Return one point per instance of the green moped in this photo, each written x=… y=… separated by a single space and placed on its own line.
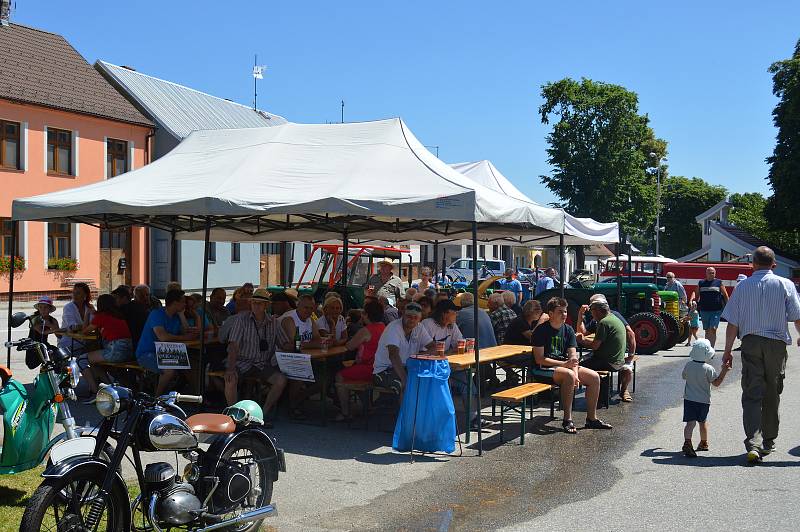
x=30 y=414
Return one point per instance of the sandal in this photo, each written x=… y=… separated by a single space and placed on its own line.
x=627 y=397
x=569 y=426
x=597 y=424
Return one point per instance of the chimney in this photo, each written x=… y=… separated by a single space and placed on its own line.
x=5 y=12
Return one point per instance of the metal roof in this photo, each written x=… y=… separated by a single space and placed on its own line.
x=181 y=110
x=42 y=68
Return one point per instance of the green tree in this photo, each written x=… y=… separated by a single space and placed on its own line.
x=784 y=172
x=749 y=212
x=682 y=199
x=599 y=149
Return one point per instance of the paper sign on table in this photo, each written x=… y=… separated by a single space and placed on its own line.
x=296 y=366
x=172 y=355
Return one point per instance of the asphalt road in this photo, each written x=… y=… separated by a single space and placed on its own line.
x=631 y=478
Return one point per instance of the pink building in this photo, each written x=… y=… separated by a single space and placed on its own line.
x=62 y=126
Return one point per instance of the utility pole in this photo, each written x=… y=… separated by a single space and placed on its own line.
x=342 y=112
x=255 y=83
x=658 y=160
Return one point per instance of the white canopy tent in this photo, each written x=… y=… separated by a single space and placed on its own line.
x=300 y=182
x=577 y=231
x=370 y=180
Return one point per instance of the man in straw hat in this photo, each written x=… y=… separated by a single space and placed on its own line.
x=385 y=282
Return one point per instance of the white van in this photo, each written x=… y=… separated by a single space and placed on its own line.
x=486 y=267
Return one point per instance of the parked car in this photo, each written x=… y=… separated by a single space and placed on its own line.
x=461 y=269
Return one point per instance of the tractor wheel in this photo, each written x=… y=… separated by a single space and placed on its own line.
x=650 y=332
x=673 y=330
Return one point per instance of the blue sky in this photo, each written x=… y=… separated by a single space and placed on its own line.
x=466 y=75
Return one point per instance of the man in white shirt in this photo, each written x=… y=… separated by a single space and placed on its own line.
x=401 y=339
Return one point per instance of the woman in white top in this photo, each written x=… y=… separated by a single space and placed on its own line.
x=332 y=322
x=77 y=314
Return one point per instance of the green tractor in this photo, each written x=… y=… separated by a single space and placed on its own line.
x=653 y=314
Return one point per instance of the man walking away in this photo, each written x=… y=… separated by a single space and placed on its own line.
x=758 y=312
x=713 y=298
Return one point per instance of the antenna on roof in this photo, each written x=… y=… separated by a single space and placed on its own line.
x=258 y=73
x=5 y=12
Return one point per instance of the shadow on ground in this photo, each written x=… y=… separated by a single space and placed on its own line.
x=663 y=457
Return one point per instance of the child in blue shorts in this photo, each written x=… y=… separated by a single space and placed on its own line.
x=699 y=376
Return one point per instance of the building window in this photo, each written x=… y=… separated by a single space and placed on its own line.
x=727 y=256
x=59 y=241
x=7 y=238
x=116 y=157
x=114 y=239
x=59 y=151
x=269 y=248
x=9 y=144
x=236 y=252
x=212 y=252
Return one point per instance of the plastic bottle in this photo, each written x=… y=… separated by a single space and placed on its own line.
x=297 y=339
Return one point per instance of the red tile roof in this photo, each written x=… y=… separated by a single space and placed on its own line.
x=42 y=68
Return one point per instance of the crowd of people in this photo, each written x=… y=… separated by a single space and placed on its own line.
x=247 y=330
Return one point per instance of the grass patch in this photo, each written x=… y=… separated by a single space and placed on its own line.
x=15 y=490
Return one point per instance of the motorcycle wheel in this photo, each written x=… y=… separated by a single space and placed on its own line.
x=252 y=450
x=49 y=510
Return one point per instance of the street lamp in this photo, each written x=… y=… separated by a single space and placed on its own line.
x=654 y=156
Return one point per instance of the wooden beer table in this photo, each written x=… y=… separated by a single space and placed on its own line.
x=486 y=355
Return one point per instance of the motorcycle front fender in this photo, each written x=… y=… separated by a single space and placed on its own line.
x=79 y=431
x=97 y=469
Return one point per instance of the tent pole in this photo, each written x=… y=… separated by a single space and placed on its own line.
x=14 y=228
x=619 y=274
x=203 y=321
x=477 y=337
x=345 y=255
x=561 y=262
x=435 y=265
x=173 y=257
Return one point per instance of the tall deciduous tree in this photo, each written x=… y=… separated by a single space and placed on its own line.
x=599 y=149
x=750 y=211
x=682 y=200
x=784 y=173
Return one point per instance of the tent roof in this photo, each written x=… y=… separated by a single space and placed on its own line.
x=578 y=231
x=300 y=182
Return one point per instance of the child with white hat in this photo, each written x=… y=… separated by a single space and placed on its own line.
x=699 y=376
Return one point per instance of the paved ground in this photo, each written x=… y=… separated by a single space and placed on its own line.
x=631 y=478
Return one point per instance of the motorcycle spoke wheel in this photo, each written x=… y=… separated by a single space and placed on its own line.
x=254 y=454
x=63 y=505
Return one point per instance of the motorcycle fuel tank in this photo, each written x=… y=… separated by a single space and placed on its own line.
x=166 y=432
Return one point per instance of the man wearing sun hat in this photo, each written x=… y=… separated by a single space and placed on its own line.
x=251 y=350
x=43 y=323
x=385 y=283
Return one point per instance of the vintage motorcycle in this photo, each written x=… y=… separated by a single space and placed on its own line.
x=29 y=417
x=227 y=486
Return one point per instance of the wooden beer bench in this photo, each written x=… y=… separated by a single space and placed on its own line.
x=516 y=399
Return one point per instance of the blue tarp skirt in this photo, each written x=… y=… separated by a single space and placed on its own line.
x=428 y=396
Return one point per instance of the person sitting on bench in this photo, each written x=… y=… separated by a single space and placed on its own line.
x=608 y=346
x=556 y=357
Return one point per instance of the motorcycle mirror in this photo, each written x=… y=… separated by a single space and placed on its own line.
x=18 y=318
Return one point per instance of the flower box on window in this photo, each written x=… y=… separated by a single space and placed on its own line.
x=64 y=264
x=5 y=265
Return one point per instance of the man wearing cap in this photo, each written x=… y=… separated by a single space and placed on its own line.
x=401 y=339
x=385 y=282
x=512 y=285
x=251 y=351
x=608 y=346
x=589 y=326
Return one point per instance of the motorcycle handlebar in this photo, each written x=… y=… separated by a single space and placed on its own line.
x=182 y=398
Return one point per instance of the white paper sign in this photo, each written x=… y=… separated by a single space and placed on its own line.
x=296 y=366
x=172 y=355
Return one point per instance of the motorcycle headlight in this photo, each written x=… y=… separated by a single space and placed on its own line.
x=110 y=399
x=74 y=373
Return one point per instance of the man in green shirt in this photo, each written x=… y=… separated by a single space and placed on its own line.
x=610 y=342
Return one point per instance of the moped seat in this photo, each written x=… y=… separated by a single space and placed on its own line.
x=211 y=423
x=5 y=374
